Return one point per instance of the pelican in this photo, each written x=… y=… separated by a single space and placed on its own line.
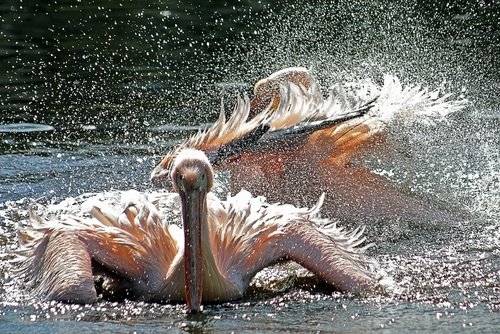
x=302 y=144
x=213 y=258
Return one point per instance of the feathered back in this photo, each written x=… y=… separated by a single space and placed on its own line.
x=135 y=241
x=248 y=234
x=300 y=107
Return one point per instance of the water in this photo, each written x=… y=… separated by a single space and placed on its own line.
x=92 y=93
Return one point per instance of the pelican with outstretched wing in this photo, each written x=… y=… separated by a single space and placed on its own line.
x=212 y=258
x=302 y=144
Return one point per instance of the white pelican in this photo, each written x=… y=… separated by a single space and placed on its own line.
x=302 y=144
x=222 y=246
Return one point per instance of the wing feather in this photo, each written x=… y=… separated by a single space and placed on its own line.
x=135 y=244
x=252 y=234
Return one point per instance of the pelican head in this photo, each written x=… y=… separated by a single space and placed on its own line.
x=192 y=177
x=267 y=91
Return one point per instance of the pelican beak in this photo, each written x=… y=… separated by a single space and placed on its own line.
x=193 y=202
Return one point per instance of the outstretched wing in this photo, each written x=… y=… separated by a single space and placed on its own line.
x=58 y=255
x=143 y=240
x=55 y=262
x=351 y=119
x=213 y=139
x=331 y=253
x=242 y=237
x=252 y=234
x=348 y=122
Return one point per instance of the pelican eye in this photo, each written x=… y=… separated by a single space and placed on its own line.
x=180 y=177
x=203 y=180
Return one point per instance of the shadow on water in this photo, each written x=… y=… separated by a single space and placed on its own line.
x=94 y=92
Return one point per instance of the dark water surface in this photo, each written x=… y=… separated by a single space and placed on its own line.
x=92 y=93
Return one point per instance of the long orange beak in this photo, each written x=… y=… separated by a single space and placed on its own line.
x=193 y=216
